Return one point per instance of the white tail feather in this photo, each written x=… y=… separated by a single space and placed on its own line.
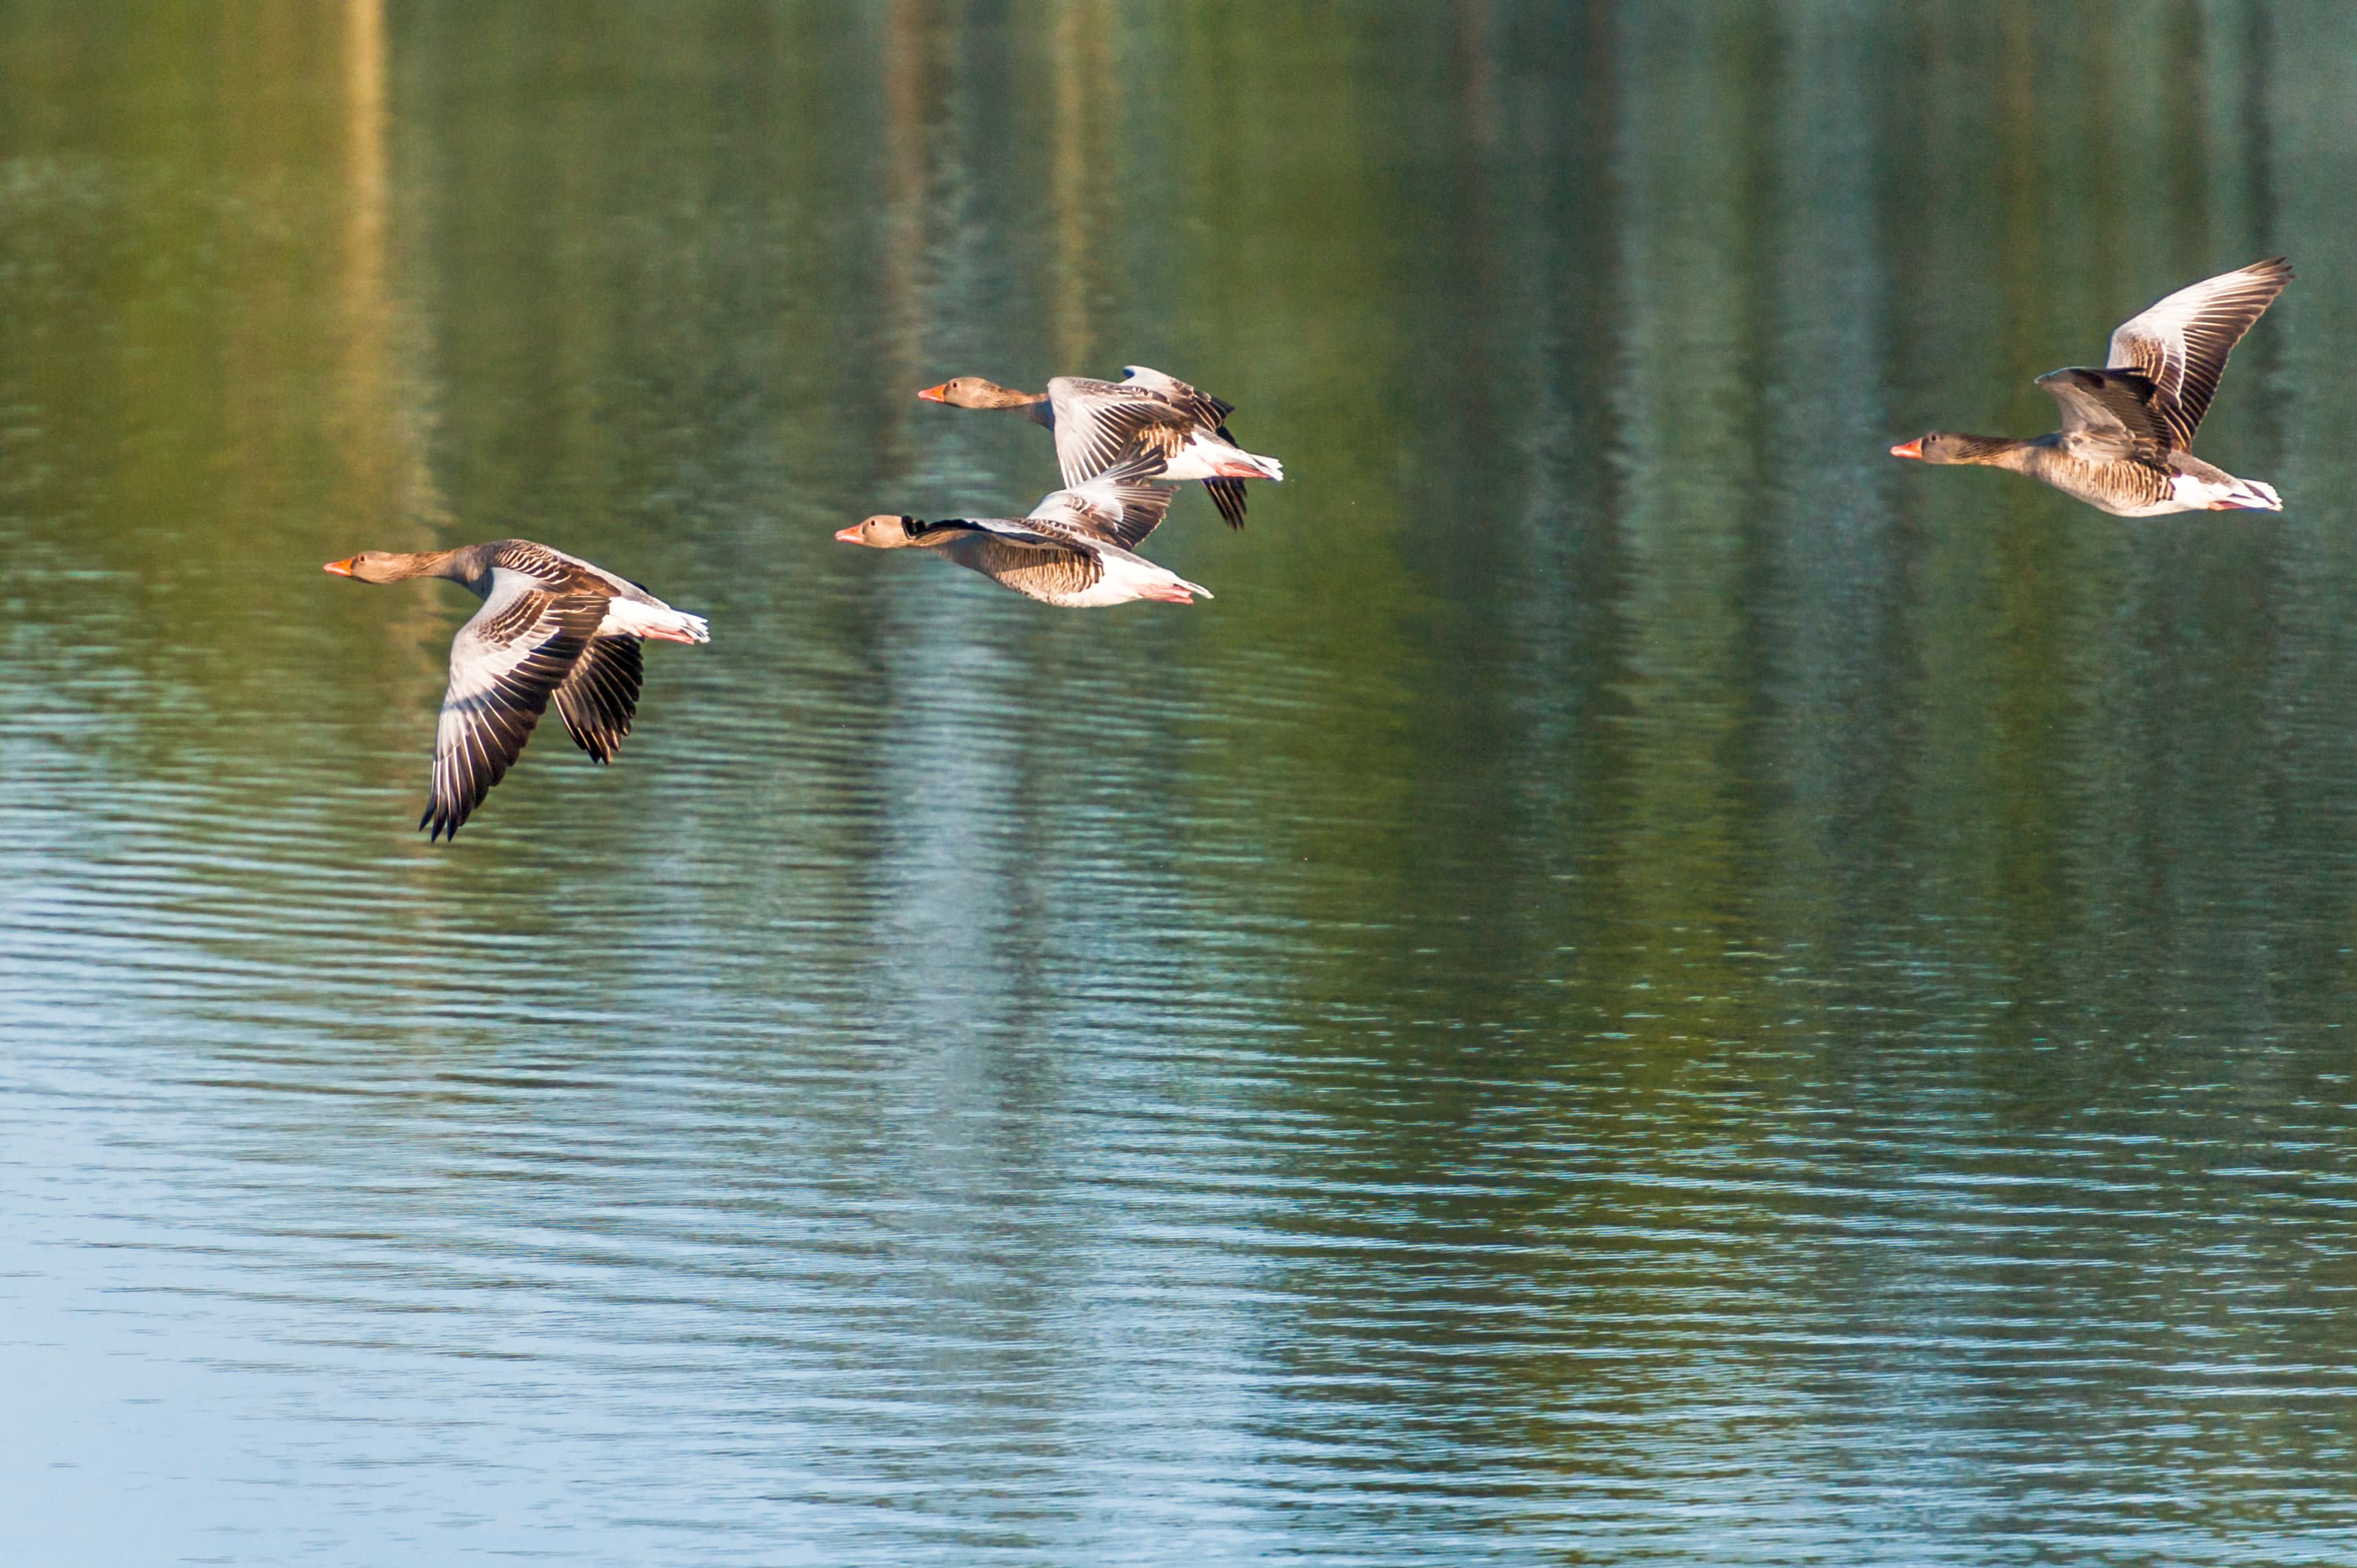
x=2248 y=495
x=1208 y=457
x=628 y=618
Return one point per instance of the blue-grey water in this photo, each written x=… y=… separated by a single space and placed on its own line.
x=1646 y=984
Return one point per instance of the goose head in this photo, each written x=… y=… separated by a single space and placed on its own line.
x=883 y=531
x=383 y=566
x=1947 y=447
x=972 y=391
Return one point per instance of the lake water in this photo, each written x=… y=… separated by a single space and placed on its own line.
x=1646 y=984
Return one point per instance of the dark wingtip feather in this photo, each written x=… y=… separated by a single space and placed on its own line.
x=1228 y=495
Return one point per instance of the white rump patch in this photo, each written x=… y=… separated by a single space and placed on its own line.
x=628 y=618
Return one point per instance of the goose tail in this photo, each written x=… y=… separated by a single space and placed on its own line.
x=2249 y=495
x=628 y=618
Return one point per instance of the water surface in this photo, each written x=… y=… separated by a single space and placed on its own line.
x=1646 y=984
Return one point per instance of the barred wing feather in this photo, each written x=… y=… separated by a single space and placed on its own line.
x=504 y=665
x=2183 y=342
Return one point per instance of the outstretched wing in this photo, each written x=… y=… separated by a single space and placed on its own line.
x=2109 y=414
x=504 y=663
x=1208 y=411
x=1099 y=424
x=1211 y=414
x=2181 y=343
x=599 y=696
x=1120 y=504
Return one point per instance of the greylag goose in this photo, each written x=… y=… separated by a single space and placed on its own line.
x=550 y=626
x=1074 y=549
x=1097 y=424
x=2126 y=428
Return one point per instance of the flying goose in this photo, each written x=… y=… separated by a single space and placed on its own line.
x=2126 y=428
x=1097 y=424
x=551 y=626
x=1074 y=549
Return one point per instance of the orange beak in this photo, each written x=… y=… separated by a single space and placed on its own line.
x=1909 y=449
x=340 y=568
x=849 y=535
x=936 y=394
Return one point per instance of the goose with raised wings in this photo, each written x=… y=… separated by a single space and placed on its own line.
x=1099 y=424
x=2127 y=428
x=1076 y=549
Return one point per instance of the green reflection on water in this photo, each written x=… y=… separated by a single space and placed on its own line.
x=1601 y=766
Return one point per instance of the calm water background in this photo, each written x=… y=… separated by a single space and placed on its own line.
x=1646 y=984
